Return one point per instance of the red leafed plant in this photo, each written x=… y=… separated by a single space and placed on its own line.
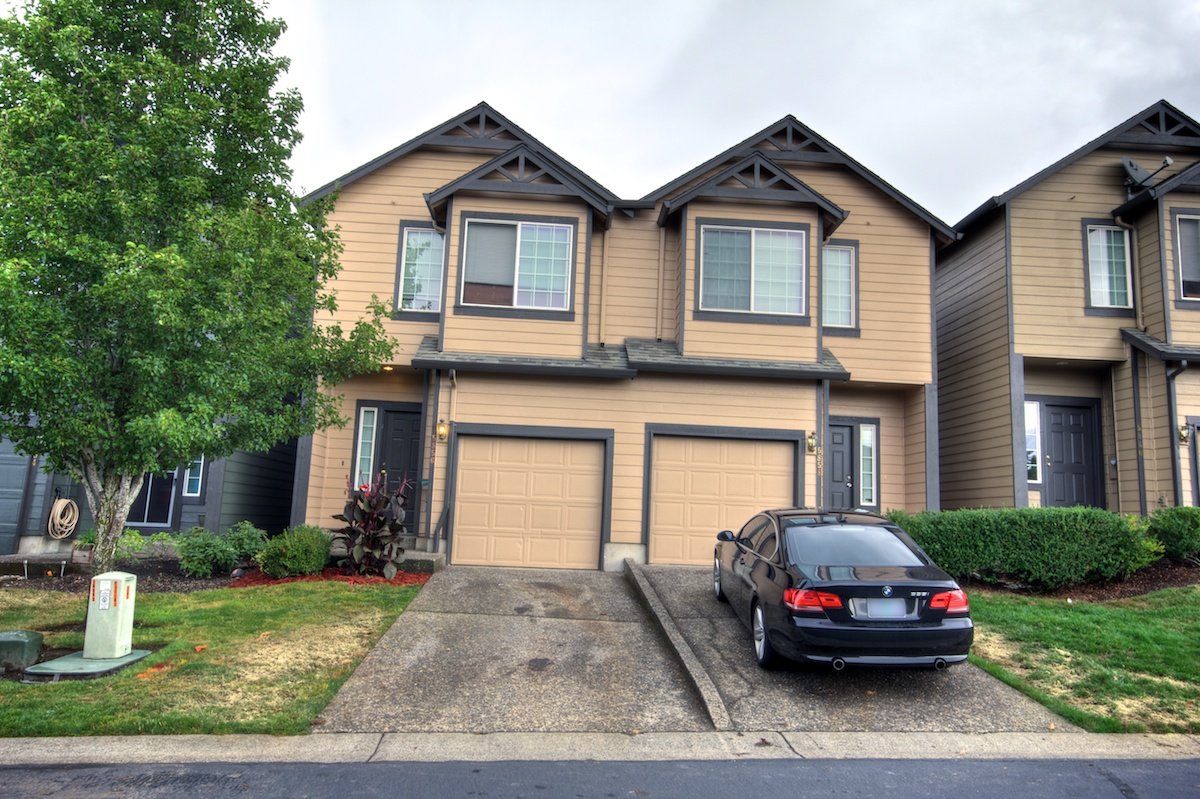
x=374 y=518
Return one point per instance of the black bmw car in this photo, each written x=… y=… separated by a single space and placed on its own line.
x=840 y=588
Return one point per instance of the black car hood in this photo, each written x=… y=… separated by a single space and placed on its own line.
x=871 y=574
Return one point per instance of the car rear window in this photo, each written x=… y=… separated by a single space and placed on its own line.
x=846 y=545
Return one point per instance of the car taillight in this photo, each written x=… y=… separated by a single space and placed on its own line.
x=806 y=600
x=950 y=601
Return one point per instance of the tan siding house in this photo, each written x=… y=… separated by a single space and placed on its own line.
x=579 y=378
x=1068 y=319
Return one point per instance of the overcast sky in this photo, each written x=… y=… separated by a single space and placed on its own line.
x=951 y=101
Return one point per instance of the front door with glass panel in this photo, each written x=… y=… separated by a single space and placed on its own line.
x=389 y=440
x=851 y=465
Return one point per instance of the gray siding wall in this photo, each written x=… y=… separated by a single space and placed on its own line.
x=258 y=487
x=974 y=405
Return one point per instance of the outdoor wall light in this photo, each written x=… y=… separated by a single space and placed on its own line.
x=1185 y=433
x=387 y=367
x=811 y=441
x=443 y=430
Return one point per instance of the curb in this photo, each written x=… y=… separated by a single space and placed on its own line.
x=713 y=704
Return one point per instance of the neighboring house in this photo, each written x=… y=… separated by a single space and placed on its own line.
x=1068 y=315
x=579 y=378
x=254 y=486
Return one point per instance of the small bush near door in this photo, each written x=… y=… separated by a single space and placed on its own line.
x=300 y=550
x=246 y=540
x=1043 y=547
x=1178 y=530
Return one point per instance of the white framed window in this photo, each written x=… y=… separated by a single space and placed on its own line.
x=1033 y=442
x=868 y=465
x=756 y=270
x=838 y=279
x=1108 y=267
x=421 y=270
x=1187 y=253
x=517 y=264
x=193 y=477
x=364 y=458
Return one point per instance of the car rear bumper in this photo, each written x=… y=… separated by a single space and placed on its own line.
x=824 y=641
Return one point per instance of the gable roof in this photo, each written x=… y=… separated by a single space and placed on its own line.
x=520 y=171
x=1160 y=126
x=788 y=140
x=478 y=129
x=756 y=177
x=1187 y=180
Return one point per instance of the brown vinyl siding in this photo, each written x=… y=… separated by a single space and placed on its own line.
x=974 y=407
x=1149 y=277
x=1125 y=441
x=1157 y=431
x=915 y=431
x=631 y=288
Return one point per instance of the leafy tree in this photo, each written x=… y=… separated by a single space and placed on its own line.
x=158 y=279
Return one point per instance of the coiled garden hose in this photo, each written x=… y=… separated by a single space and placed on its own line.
x=64 y=517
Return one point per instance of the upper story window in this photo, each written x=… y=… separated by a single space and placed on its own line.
x=1187 y=233
x=193 y=476
x=838 y=286
x=420 y=270
x=1108 y=267
x=757 y=270
x=517 y=264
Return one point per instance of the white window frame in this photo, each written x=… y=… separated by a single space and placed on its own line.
x=1033 y=423
x=1179 y=251
x=868 y=482
x=195 y=469
x=406 y=266
x=366 y=446
x=520 y=225
x=754 y=231
x=853 y=251
x=1098 y=283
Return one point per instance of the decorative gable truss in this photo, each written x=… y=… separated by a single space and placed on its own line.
x=759 y=179
x=518 y=171
x=1162 y=126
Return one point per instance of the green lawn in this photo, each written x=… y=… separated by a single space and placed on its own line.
x=1122 y=666
x=261 y=660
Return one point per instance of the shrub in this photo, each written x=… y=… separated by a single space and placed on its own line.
x=1044 y=547
x=374 y=520
x=203 y=553
x=300 y=550
x=246 y=540
x=1178 y=530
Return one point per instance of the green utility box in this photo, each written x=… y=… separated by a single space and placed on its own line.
x=109 y=632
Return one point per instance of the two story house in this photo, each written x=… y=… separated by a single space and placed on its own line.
x=579 y=378
x=1068 y=315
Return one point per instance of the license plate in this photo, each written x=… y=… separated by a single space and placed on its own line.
x=887 y=608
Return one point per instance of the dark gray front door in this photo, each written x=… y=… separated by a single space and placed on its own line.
x=839 y=467
x=400 y=457
x=14 y=471
x=1072 y=456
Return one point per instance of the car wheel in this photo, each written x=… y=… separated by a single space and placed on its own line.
x=718 y=591
x=764 y=653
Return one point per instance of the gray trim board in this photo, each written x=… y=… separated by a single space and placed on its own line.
x=603 y=435
x=796 y=437
x=1017 y=404
x=214 y=498
x=933 y=474
x=1139 y=445
x=436 y=386
x=1193 y=422
x=1172 y=427
x=1159 y=209
x=681 y=291
x=446 y=280
x=300 y=480
x=587 y=284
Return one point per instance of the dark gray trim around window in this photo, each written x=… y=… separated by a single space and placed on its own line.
x=416 y=316
x=1016 y=398
x=750 y=317
x=501 y=311
x=1104 y=310
x=795 y=437
x=854 y=330
x=603 y=435
x=1180 y=301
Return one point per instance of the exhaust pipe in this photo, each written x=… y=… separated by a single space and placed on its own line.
x=940 y=664
x=839 y=664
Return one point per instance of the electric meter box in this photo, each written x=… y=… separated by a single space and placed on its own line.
x=109 y=631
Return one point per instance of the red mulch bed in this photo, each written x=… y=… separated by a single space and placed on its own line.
x=256 y=578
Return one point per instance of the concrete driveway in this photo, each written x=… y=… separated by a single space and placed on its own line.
x=803 y=698
x=484 y=649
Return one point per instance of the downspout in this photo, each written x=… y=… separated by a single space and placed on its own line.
x=603 y=289
x=822 y=427
x=1176 y=478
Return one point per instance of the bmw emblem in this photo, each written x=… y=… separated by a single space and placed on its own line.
x=887 y=590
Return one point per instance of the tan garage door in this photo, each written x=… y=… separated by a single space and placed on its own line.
x=528 y=502
x=700 y=486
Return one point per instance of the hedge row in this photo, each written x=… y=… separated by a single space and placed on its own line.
x=1043 y=547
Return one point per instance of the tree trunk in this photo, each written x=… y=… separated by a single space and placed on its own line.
x=109 y=496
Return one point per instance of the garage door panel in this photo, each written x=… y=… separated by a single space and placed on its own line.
x=542 y=499
x=700 y=486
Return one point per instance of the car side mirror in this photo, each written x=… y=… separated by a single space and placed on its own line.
x=725 y=535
